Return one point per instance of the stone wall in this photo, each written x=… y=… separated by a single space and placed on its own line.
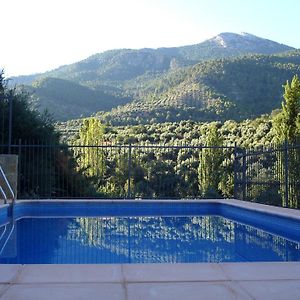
x=9 y=164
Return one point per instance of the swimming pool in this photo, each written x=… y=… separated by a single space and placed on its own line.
x=124 y=231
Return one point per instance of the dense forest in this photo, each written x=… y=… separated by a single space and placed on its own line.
x=191 y=172
x=182 y=160
x=248 y=133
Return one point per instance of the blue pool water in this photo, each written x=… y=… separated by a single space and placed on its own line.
x=168 y=233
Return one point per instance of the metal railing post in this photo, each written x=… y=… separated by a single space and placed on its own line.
x=129 y=170
x=286 y=170
x=19 y=166
x=244 y=168
x=235 y=172
x=10 y=124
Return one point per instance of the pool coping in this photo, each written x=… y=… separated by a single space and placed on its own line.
x=255 y=280
x=151 y=281
x=274 y=210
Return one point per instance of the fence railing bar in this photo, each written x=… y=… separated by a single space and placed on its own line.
x=286 y=171
x=249 y=182
x=120 y=146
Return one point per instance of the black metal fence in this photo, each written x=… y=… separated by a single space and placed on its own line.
x=269 y=175
x=265 y=175
x=123 y=171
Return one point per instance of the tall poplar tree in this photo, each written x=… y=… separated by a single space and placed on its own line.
x=287 y=122
x=91 y=159
x=209 y=170
x=287 y=126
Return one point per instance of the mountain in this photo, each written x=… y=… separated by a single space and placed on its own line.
x=231 y=44
x=127 y=76
x=125 y=64
x=232 y=88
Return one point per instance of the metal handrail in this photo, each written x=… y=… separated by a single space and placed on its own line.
x=3 y=194
x=7 y=184
x=3 y=233
x=7 y=239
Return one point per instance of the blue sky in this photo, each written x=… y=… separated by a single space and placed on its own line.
x=40 y=35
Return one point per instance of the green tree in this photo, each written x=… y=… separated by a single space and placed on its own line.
x=28 y=124
x=287 y=122
x=209 y=170
x=287 y=128
x=91 y=157
x=91 y=132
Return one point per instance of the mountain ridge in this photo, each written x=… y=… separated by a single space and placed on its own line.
x=154 y=76
x=244 y=36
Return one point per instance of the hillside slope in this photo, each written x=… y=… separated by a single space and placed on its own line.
x=65 y=99
x=113 y=67
x=235 y=88
x=186 y=80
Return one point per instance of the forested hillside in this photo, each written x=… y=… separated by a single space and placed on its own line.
x=236 y=88
x=189 y=159
x=247 y=134
x=67 y=99
x=124 y=64
x=203 y=82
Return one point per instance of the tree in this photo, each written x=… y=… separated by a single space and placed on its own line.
x=28 y=123
x=287 y=127
x=91 y=157
x=209 y=171
x=46 y=170
x=91 y=132
x=287 y=122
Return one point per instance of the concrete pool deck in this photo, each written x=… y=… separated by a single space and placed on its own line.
x=261 y=281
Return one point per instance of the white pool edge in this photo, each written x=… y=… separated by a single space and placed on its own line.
x=274 y=210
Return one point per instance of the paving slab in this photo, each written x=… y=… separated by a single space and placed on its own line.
x=3 y=288
x=172 y=272
x=275 y=290
x=262 y=270
x=65 y=292
x=70 y=273
x=8 y=272
x=186 y=291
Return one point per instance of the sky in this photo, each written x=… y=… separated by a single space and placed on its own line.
x=40 y=35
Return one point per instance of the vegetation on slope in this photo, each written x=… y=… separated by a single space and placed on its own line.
x=65 y=99
x=166 y=84
x=237 y=88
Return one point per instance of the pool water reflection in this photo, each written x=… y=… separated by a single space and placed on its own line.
x=142 y=240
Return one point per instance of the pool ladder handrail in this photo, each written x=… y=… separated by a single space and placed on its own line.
x=8 y=186
x=6 y=237
x=3 y=233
